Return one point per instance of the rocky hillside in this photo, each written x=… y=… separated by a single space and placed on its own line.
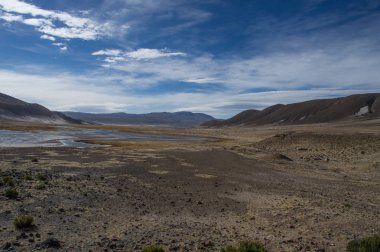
x=314 y=111
x=12 y=109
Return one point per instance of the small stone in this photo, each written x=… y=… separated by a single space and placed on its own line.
x=49 y=243
x=7 y=246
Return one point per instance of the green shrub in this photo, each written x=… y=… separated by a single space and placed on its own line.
x=245 y=247
x=368 y=244
x=23 y=221
x=40 y=186
x=154 y=248
x=8 y=181
x=11 y=193
x=41 y=177
x=28 y=177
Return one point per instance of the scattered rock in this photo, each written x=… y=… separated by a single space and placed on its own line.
x=49 y=243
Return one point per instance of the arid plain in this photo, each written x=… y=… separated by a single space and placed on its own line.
x=293 y=188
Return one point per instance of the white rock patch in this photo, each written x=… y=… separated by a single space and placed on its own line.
x=363 y=111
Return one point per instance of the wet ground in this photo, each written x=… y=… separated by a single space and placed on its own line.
x=72 y=137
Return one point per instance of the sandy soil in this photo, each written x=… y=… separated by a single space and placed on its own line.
x=304 y=188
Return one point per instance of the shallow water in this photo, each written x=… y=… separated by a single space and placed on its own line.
x=71 y=138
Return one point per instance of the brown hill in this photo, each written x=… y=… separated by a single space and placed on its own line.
x=314 y=111
x=12 y=109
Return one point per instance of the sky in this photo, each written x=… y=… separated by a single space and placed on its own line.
x=210 y=56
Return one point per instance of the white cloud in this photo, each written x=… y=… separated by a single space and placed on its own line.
x=10 y=17
x=114 y=59
x=38 y=22
x=145 y=53
x=116 y=55
x=290 y=70
x=94 y=93
x=47 y=37
x=52 y=23
x=63 y=48
x=203 y=80
x=108 y=52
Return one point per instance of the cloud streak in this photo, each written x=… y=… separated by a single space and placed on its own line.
x=51 y=23
x=98 y=95
x=115 y=55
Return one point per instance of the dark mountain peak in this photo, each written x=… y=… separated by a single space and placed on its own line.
x=17 y=110
x=11 y=100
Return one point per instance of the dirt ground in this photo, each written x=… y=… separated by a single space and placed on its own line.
x=292 y=188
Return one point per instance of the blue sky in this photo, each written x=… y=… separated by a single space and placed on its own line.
x=211 y=56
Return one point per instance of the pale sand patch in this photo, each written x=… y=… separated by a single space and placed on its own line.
x=159 y=172
x=187 y=164
x=206 y=176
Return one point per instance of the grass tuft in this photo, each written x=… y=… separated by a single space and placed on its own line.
x=245 y=247
x=8 y=181
x=11 y=193
x=28 y=177
x=154 y=248
x=23 y=221
x=368 y=244
x=40 y=186
x=41 y=177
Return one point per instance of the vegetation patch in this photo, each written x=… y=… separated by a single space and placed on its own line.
x=368 y=244
x=245 y=247
x=8 y=181
x=11 y=193
x=23 y=221
x=40 y=186
x=28 y=177
x=41 y=177
x=154 y=248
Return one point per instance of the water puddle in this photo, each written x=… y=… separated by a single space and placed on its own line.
x=72 y=138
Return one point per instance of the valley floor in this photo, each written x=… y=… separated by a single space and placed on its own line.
x=292 y=188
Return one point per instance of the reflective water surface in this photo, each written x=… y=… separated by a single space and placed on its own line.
x=67 y=137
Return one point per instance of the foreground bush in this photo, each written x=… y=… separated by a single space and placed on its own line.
x=245 y=247
x=369 y=244
x=23 y=221
x=40 y=186
x=8 y=181
x=11 y=193
x=41 y=177
x=154 y=248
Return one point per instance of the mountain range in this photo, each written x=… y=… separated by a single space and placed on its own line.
x=12 y=109
x=313 y=111
x=360 y=106
x=176 y=119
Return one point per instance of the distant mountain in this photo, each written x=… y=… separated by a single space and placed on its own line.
x=12 y=109
x=177 y=119
x=314 y=111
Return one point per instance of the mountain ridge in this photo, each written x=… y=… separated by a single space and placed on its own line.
x=307 y=112
x=182 y=119
x=13 y=109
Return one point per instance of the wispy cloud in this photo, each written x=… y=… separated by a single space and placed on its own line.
x=108 y=52
x=291 y=70
x=95 y=93
x=47 y=37
x=115 y=55
x=51 y=23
